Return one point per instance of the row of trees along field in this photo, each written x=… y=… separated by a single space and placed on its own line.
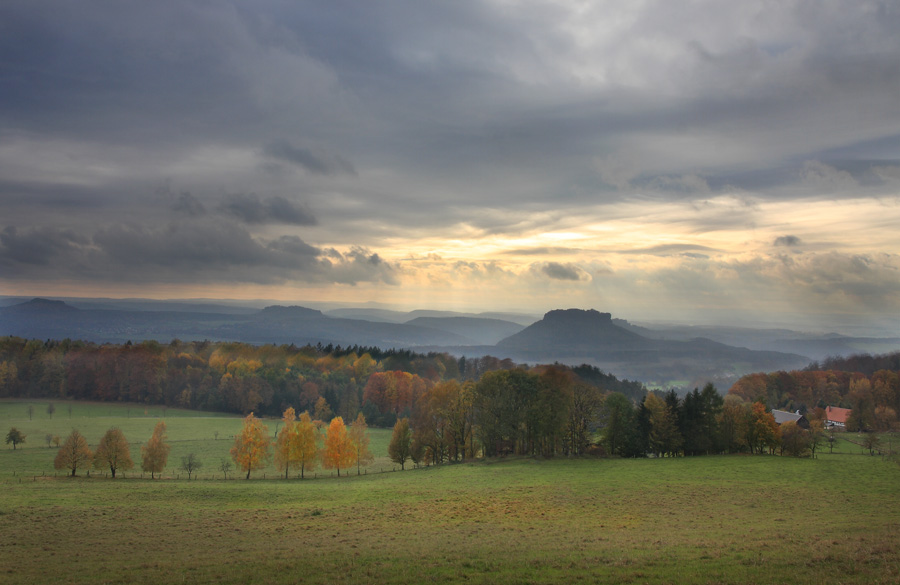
x=874 y=397
x=300 y=445
x=240 y=378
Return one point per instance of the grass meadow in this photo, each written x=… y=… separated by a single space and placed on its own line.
x=718 y=519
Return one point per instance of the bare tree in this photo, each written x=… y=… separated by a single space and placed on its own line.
x=51 y=409
x=190 y=463
x=225 y=466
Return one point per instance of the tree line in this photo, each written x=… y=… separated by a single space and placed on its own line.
x=301 y=444
x=242 y=378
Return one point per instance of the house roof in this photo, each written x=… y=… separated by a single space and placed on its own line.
x=835 y=414
x=782 y=416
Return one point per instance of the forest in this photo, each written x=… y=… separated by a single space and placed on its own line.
x=454 y=408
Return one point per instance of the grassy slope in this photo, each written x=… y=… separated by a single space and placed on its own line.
x=734 y=519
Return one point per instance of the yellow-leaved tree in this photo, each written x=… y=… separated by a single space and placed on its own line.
x=113 y=452
x=155 y=453
x=339 y=451
x=307 y=444
x=251 y=446
x=74 y=453
x=286 y=443
x=359 y=437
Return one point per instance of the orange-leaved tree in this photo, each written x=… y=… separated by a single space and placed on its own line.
x=251 y=446
x=74 y=453
x=307 y=444
x=155 y=453
x=339 y=451
x=113 y=452
x=286 y=443
x=359 y=437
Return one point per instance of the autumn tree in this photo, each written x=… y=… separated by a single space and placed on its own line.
x=286 y=443
x=73 y=454
x=15 y=436
x=794 y=439
x=359 y=438
x=113 y=452
x=190 y=463
x=251 y=446
x=307 y=444
x=323 y=410
x=339 y=451
x=762 y=431
x=401 y=440
x=155 y=453
x=816 y=434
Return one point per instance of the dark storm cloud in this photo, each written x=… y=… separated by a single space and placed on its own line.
x=249 y=207
x=305 y=158
x=37 y=246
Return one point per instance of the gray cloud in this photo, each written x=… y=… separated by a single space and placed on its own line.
x=314 y=162
x=187 y=204
x=37 y=246
x=559 y=271
x=249 y=207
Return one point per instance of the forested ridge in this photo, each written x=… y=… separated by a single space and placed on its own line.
x=243 y=378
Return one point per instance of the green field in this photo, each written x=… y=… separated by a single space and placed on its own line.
x=189 y=431
x=723 y=519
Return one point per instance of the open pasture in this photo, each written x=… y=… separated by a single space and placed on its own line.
x=723 y=519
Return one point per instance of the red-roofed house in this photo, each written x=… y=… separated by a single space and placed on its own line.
x=836 y=417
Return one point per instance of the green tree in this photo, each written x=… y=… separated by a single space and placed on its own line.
x=871 y=442
x=15 y=436
x=665 y=438
x=401 y=441
x=618 y=417
x=113 y=452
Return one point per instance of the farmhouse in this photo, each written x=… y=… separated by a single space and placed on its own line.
x=836 y=417
x=782 y=417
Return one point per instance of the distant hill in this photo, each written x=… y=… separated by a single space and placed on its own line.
x=575 y=336
x=574 y=332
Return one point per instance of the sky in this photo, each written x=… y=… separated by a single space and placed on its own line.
x=733 y=162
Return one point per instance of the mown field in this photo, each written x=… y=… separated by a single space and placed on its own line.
x=724 y=519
